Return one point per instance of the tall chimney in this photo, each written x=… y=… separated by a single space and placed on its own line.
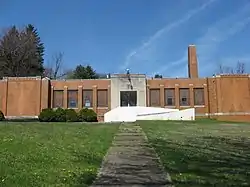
x=192 y=62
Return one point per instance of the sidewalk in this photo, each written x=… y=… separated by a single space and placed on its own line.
x=131 y=162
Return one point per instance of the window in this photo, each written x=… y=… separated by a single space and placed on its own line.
x=58 y=99
x=184 y=97
x=199 y=96
x=72 y=99
x=87 y=98
x=154 y=96
x=170 y=97
x=102 y=98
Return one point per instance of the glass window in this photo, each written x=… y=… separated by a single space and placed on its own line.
x=87 y=98
x=72 y=99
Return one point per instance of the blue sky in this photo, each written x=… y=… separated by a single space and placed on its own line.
x=146 y=36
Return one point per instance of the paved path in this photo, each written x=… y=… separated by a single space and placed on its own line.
x=131 y=162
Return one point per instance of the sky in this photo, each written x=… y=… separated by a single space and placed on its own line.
x=146 y=36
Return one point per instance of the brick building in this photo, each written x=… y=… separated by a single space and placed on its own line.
x=225 y=97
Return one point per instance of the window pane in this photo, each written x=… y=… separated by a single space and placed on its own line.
x=155 y=97
x=169 y=97
x=58 y=99
x=72 y=99
x=199 y=96
x=184 y=97
x=102 y=98
x=87 y=98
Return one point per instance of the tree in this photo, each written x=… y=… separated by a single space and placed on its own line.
x=239 y=69
x=82 y=72
x=55 y=69
x=157 y=76
x=19 y=53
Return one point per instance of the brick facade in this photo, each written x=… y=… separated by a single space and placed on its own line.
x=224 y=97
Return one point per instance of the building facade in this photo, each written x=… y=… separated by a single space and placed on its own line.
x=224 y=97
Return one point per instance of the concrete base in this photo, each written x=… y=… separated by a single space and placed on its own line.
x=131 y=114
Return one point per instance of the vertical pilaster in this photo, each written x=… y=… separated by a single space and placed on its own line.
x=218 y=93
x=52 y=96
x=162 y=99
x=177 y=96
x=79 y=97
x=206 y=98
x=191 y=95
x=94 y=98
x=148 y=95
x=109 y=97
x=65 y=97
x=5 y=96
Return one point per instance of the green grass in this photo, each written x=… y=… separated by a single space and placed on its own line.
x=202 y=153
x=47 y=154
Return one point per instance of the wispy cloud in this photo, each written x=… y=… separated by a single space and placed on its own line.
x=207 y=45
x=162 y=31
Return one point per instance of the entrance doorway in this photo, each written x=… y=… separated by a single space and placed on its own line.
x=128 y=98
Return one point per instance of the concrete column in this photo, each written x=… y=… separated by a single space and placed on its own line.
x=162 y=99
x=79 y=97
x=94 y=98
x=65 y=97
x=177 y=96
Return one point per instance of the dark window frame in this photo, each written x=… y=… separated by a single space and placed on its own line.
x=166 y=97
x=150 y=97
x=68 y=99
x=54 y=105
x=84 y=99
x=106 y=99
x=203 y=97
x=186 y=99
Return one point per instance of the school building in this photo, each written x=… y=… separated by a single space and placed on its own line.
x=224 y=97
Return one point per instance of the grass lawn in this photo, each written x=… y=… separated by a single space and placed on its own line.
x=47 y=154
x=202 y=153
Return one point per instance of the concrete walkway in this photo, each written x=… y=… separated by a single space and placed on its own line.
x=131 y=162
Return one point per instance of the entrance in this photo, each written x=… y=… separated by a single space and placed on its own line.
x=128 y=98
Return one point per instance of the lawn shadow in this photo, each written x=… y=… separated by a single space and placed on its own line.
x=206 y=161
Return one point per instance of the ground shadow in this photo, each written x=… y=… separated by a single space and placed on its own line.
x=206 y=161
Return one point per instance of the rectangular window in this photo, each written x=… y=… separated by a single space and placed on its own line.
x=102 y=98
x=154 y=95
x=170 y=97
x=87 y=98
x=184 y=97
x=72 y=99
x=199 y=96
x=58 y=99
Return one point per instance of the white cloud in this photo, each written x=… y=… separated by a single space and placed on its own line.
x=217 y=33
x=162 y=31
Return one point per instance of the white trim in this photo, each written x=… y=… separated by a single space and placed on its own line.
x=21 y=117
x=224 y=114
x=199 y=106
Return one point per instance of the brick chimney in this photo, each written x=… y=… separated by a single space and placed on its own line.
x=192 y=62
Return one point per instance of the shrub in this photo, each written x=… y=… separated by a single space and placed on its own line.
x=87 y=115
x=71 y=115
x=47 y=115
x=60 y=115
x=1 y=116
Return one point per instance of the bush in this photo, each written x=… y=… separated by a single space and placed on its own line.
x=47 y=115
x=87 y=115
x=71 y=115
x=1 y=116
x=60 y=115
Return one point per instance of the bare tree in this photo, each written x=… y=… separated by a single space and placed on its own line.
x=239 y=69
x=55 y=69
